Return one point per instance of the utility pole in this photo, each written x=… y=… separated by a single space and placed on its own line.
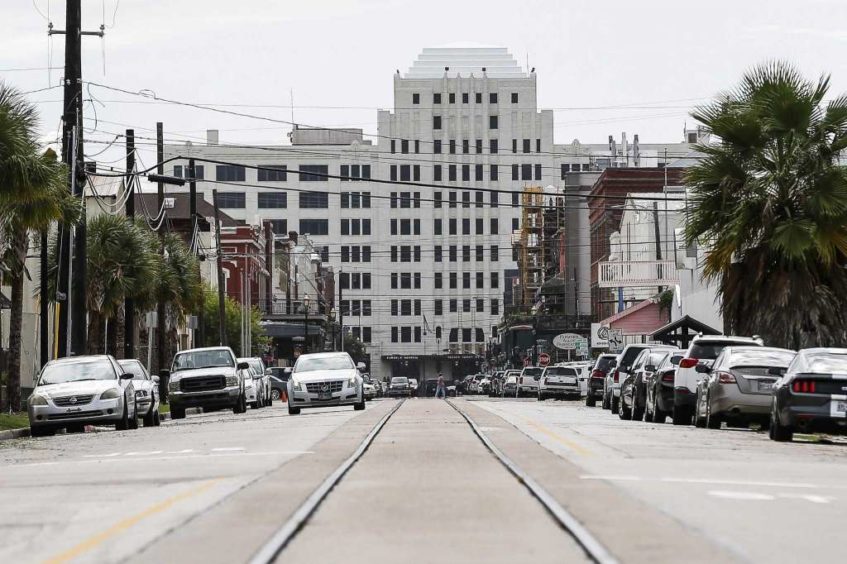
x=195 y=226
x=340 y=308
x=43 y=302
x=221 y=301
x=658 y=239
x=161 y=325
x=129 y=304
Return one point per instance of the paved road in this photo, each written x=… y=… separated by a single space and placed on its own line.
x=216 y=487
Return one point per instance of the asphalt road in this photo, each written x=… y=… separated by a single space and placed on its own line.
x=216 y=487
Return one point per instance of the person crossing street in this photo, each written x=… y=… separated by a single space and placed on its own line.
x=440 y=390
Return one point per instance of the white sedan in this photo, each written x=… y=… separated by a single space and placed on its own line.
x=325 y=380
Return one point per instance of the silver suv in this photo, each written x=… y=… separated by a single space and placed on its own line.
x=210 y=378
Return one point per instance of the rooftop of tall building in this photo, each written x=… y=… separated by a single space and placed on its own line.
x=464 y=59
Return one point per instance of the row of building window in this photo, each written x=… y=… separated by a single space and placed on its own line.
x=361 y=333
x=452 y=145
x=405 y=280
x=575 y=167
x=406 y=226
x=451 y=97
x=479 y=223
x=453 y=280
x=493 y=122
x=405 y=307
x=453 y=253
x=356 y=308
x=405 y=253
x=407 y=334
x=478 y=303
x=355 y=253
x=354 y=280
x=356 y=226
x=405 y=199
x=356 y=200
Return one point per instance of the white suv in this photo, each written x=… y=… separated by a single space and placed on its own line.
x=702 y=350
x=528 y=380
x=561 y=381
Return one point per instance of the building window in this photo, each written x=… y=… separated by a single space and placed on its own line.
x=516 y=199
x=494 y=226
x=514 y=97
x=538 y=172
x=451 y=97
x=526 y=145
x=313 y=173
x=566 y=168
x=405 y=334
x=436 y=122
x=454 y=281
x=479 y=221
x=464 y=97
x=417 y=226
x=417 y=334
x=436 y=199
x=405 y=307
x=416 y=173
x=438 y=281
x=436 y=173
x=493 y=174
x=436 y=146
x=453 y=305
x=345 y=227
x=417 y=307
x=393 y=199
x=466 y=254
x=310 y=200
x=394 y=335
x=492 y=146
x=495 y=280
x=466 y=173
x=495 y=253
x=466 y=225
x=452 y=146
x=466 y=332
x=538 y=145
x=279 y=226
x=492 y=98
x=480 y=282
x=405 y=227
x=452 y=195
x=417 y=280
x=417 y=146
x=416 y=98
x=393 y=224
x=229 y=173
x=436 y=255
x=436 y=98
x=392 y=174
x=453 y=253
x=451 y=226
x=231 y=200
x=404 y=146
x=366 y=334
x=393 y=146
x=466 y=307
x=514 y=254
x=514 y=145
x=479 y=146
x=478 y=173
x=273 y=173
x=438 y=306
x=451 y=173
x=516 y=223
x=480 y=253
x=405 y=173
x=436 y=226
x=478 y=97
x=492 y=122
x=314 y=226
x=494 y=199
x=526 y=172
x=480 y=305
x=495 y=307
x=516 y=172
x=273 y=200
x=466 y=199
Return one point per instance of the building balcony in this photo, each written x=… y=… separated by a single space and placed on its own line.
x=635 y=274
x=285 y=310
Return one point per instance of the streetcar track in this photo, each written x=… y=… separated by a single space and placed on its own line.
x=593 y=548
x=289 y=530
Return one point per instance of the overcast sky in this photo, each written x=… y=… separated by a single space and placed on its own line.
x=338 y=56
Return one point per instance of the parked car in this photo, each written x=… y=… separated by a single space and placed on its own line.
x=399 y=387
x=370 y=391
x=633 y=388
x=510 y=383
x=324 y=380
x=258 y=387
x=622 y=369
x=659 y=387
x=484 y=385
x=210 y=378
x=702 y=350
x=739 y=386
x=72 y=392
x=559 y=381
x=812 y=395
x=279 y=382
x=146 y=391
x=528 y=380
x=602 y=365
x=413 y=386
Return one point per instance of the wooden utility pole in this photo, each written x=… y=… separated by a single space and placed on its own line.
x=221 y=300
x=161 y=325
x=129 y=304
x=195 y=226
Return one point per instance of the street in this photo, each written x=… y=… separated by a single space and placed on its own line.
x=216 y=487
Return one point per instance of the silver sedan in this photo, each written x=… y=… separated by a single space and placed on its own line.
x=72 y=392
x=738 y=387
x=146 y=391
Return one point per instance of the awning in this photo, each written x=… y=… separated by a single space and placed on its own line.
x=282 y=330
x=454 y=356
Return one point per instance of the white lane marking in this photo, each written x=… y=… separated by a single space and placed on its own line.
x=144 y=453
x=746 y=496
x=183 y=451
x=228 y=449
x=165 y=458
x=821 y=499
x=103 y=455
x=611 y=478
x=739 y=483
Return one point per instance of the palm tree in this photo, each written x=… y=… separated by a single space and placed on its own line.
x=769 y=200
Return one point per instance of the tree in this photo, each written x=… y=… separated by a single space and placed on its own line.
x=769 y=201
x=33 y=195
x=232 y=324
x=354 y=347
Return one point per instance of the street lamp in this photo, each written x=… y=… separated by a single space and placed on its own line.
x=306 y=302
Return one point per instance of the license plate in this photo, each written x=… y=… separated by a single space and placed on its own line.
x=838 y=408
x=765 y=386
x=568 y=380
x=325 y=395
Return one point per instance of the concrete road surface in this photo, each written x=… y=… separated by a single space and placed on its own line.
x=216 y=487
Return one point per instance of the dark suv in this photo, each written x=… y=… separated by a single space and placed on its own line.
x=605 y=362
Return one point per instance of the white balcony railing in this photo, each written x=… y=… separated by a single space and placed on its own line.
x=634 y=274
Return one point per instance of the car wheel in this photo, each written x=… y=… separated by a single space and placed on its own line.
x=42 y=431
x=590 y=401
x=75 y=428
x=605 y=403
x=241 y=405
x=681 y=415
x=624 y=412
x=777 y=431
x=637 y=413
x=360 y=405
x=275 y=394
x=293 y=410
x=123 y=424
x=270 y=397
x=157 y=419
x=698 y=420
x=713 y=420
x=133 y=421
x=150 y=417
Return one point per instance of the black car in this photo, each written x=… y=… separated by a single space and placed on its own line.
x=659 y=388
x=633 y=388
x=399 y=387
x=605 y=362
x=279 y=382
x=812 y=395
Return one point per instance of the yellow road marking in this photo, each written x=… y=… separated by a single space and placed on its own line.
x=121 y=526
x=558 y=438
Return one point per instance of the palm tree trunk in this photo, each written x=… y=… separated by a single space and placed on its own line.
x=112 y=336
x=120 y=335
x=16 y=322
x=95 y=333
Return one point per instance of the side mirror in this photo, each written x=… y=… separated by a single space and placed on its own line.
x=155 y=379
x=268 y=372
x=126 y=376
x=702 y=369
x=243 y=366
x=287 y=370
x=361 y=366
x=777 y=371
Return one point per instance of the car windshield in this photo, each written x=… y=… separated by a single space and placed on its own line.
x=78 y=371
x=761 y=358
x=828 y=363
x=560 y=371
x=193 y=360
x=656 y=358
x=709 y=350
x=310 y=364
x=630 y=355
x=604 y=363
x=133 y=367
x=399 y=380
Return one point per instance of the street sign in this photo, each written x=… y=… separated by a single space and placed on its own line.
x=543 y=359
x=566 y=341
x=615 y=338
x=599 y=336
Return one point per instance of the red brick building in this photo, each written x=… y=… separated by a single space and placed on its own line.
x=605 y=208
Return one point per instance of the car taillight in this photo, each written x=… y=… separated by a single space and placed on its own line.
x=688 y=363
x=617 y=375
x=726 y=378
x=668 y=377
x=803 y=386
x=598 y=374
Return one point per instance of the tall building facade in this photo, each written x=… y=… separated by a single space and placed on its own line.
x=416 y=221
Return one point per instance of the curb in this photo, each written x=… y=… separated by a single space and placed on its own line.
x=14 y=433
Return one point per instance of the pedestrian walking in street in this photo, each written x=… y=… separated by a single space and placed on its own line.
x=440 y=390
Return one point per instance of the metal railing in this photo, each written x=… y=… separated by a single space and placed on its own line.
x=634 y=274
